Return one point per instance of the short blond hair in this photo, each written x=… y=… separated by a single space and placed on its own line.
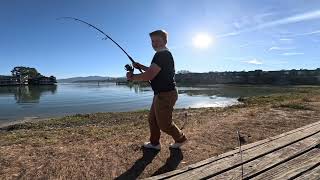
x=162 y=33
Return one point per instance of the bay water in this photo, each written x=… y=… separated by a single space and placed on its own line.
x=36 y=102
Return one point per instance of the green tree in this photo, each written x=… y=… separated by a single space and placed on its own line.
x=28 y=72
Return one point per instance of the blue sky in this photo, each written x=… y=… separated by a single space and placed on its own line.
x=246 y=35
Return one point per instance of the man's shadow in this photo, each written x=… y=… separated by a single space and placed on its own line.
x=139 y=166
x=172 y=162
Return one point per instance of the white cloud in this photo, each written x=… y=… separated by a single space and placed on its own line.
x=260 y=18
x=242 y=22
x=228 y=34
x=306 y=34
x=292 y=53
x=292 y=19
x=245 y=21
x=244 y=45
x=313 y=32
x=254 y=61
x=286 y=39
x=280 y=48
x=288 y=20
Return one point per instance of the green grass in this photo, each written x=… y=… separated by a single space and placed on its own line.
x=295 y=106
x=297 y=94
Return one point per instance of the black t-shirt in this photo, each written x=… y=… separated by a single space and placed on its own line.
x=164 y=81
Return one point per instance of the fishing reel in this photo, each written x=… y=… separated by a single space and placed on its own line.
x=129 y=68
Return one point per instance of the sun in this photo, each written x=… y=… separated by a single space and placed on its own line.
x=202 y=41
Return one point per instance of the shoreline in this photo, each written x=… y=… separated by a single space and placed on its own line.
x=37 y=119
x=24 y=120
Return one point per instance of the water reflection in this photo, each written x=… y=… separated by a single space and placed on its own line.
x=231 y=91
x=137 y=88
x=212 y=91
x=27 y=94
x=20 y=102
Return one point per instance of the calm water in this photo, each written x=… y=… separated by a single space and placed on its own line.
x=28 y=102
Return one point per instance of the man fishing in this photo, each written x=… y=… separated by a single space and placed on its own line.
x=161 y=74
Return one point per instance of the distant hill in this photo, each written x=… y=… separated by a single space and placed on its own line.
x=87 y=79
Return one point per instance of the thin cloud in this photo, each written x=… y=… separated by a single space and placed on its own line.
x=244 y=45
x=288 y=20
x=292 y=54
x=228 y=34
x=254 y=61
x=245 y=21
x=292 y=19
x=280 y=48
x=286 y=39
x=306 y=34
x=260 y=18
x=314 y=32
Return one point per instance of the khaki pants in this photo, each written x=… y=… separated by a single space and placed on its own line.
x=160 y=117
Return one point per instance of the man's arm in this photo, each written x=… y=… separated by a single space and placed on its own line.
x=151 y=73
x=138 y=65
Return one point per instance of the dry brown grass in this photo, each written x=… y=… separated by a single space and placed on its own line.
x=108 y=145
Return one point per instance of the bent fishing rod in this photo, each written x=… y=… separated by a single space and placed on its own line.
x=127 y=67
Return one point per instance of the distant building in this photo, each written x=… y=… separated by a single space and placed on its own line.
x=283 y=77
x=42 y=80
x=8 y=80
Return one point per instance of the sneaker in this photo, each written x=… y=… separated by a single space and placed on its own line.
x=150 y=146
x=177 y=145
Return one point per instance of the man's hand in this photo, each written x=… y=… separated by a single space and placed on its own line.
x=129 y=76
x=136 y=65
x=140 y=66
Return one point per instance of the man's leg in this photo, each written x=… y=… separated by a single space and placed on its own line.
x=163 y=105
x=153 y=125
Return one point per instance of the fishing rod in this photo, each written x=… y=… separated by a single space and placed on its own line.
x=127 y=67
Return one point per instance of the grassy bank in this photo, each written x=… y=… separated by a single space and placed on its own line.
x=108 y=145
